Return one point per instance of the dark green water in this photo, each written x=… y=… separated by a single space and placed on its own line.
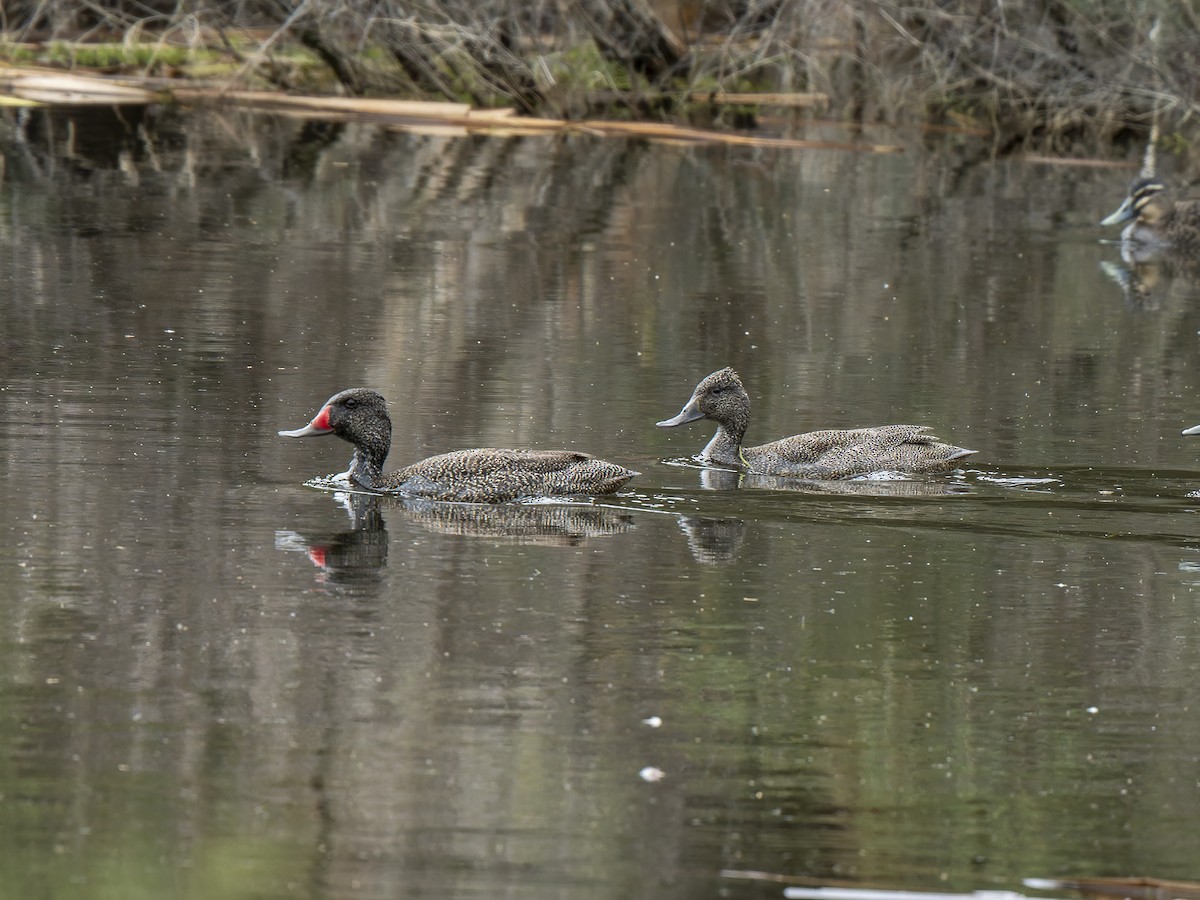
x=216 y=682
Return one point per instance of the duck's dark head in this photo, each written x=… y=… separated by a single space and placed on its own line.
x=1147 y=202
x=360 y=416
x=720 y=397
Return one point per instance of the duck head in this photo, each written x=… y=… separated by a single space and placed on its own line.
x=360 y=416
x=1145 y=203
x=721 y=398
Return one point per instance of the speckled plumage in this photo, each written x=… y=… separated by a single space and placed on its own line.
x=1155 y=218
x=548 y=524
x=822 y=455
x=481 y=475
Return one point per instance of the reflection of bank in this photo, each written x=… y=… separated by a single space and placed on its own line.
x=354 y=554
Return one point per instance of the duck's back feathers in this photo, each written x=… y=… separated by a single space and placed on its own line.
x=844 y=453
x=1184 y=230
x=493 y=475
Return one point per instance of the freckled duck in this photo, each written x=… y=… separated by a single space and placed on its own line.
x=822 y=455
x=483 y=475
x=1156 y=218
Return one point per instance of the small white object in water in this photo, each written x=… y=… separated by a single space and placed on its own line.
x=1019 y=482
x=832 y=893
x=650 y=773
x=653 y=722
x=1093 y=710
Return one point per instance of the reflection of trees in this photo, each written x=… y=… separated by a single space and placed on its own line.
x=451 y=267
x=862 y=663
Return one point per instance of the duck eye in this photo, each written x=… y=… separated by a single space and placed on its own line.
x=350 y=403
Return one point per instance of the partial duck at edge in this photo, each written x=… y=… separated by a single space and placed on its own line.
x=1157 y=219
x=482 y=475
x=821 y=455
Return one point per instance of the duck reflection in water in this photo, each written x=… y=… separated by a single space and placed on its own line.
x=713 y=542
x=1148 y=279
x=729 y=480
x=353 y=557
x=548 y=524
x=350 y=554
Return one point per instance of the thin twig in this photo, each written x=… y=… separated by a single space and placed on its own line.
x=257 y=56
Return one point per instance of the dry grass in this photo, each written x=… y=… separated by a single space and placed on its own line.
x=1066 y=74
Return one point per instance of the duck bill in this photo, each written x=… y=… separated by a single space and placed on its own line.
x=1195 y=429
x=316 y=428
x=1123 y=214
x=689 y=413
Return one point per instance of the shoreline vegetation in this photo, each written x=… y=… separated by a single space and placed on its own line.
x=1064 y=77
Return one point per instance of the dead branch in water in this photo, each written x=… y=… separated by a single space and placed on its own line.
x=409 y=115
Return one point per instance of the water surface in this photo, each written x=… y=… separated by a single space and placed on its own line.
x=217 y=682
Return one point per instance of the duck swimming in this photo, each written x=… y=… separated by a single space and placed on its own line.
x=1155 y=218
x=821 y=455
x=482 y=475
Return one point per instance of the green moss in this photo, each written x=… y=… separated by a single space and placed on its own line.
x=301 y=65
x=583 y=68
x=16 y=53
x=102 y=56
x=1175 y=144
